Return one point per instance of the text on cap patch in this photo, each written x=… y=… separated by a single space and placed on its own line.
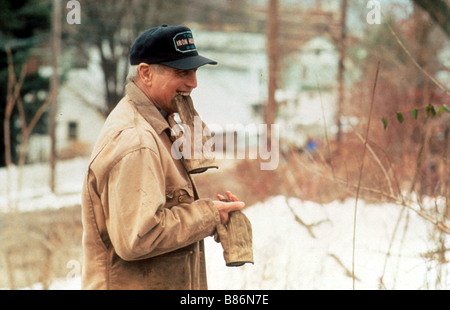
x=184 y=42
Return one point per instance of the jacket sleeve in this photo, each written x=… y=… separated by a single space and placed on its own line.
x=139 y=224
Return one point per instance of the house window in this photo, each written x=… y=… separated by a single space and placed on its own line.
x=73 y=131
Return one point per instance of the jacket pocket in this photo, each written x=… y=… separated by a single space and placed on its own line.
x=172 y=271
x=179 y=195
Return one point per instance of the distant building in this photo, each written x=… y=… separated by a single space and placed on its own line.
x=78 y=121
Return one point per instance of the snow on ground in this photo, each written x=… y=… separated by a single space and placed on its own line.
x=286 y=254
x=288 y=257
x=35 y=193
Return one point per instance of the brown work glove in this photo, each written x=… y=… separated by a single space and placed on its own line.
x=236 y=239
x=200 y=157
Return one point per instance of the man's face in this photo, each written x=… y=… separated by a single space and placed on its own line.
x=168 y=83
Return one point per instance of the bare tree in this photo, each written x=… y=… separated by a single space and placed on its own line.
x=14 y=100
x=105 y=29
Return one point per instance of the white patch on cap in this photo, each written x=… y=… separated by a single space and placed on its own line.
x=184 y=42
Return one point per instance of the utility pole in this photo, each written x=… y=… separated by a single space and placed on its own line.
x=273 y=54
x=54 y=85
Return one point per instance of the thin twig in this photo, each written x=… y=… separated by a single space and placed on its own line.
x=308 y=227
x=415 y=62
x=328 y=159
x=391 y=243
x=378 y=161
x=360 y=172
x=347 y=272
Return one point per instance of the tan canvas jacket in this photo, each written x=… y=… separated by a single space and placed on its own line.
x=143 y=224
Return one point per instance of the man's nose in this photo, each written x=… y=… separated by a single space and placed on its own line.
x=191 y=79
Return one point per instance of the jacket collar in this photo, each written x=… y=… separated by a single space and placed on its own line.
x=146 y=108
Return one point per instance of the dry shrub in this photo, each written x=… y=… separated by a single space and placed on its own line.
x=37 y=248
x=244 y=178
x=294 y=177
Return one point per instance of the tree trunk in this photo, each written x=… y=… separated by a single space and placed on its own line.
x=272 y=46
x=340 y=73
x=54 y=84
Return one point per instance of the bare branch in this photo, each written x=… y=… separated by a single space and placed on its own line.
x=438 y=11
x=40 y=111
x=377 y=160
x=361 y=170
x=301 y=222
x=348 y=272
x=415 y=62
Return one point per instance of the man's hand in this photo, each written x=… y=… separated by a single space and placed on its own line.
x=224 y=207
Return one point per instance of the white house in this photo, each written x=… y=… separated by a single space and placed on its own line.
x=309 y=91
x=77 y=121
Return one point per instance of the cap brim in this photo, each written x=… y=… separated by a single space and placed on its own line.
x=190 y=63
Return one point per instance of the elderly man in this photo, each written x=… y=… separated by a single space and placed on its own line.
x=143 y=221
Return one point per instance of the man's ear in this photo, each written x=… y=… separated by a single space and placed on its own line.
x=145 y=73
